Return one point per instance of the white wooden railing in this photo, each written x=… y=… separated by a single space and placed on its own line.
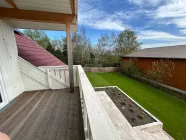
x=60 y=73
x=97 y=124
x=36 y=79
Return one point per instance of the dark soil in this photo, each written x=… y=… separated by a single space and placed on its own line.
x=132 y=112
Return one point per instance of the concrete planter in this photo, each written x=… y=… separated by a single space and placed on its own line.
x=149 y=127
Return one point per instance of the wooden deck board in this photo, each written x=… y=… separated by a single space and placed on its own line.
x=45 y=115
x=30 y=126
x=6 y=114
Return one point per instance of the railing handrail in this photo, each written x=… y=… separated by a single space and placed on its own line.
x=100 y=125
x=55 y=67
x=65 y=67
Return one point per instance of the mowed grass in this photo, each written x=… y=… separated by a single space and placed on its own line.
x=170 y=110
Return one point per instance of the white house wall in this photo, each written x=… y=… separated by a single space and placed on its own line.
x=12 y=79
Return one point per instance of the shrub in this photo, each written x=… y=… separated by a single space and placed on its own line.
x=161 y=71
x=130 y=68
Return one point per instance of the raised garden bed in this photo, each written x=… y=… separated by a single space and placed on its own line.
x=133 y=112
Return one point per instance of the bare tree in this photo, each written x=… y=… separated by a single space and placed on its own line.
x=105 y=50
x=81 y=47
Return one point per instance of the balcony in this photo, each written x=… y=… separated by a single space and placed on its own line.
x=58 y=114
x=46 y=114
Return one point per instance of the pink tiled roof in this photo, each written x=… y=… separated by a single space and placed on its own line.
x=33 y=53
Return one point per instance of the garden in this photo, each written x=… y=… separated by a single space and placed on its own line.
x=168 y=109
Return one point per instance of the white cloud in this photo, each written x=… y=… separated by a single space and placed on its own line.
x=173 y=12
x=101 y=21
x=161 y=36
x=163 y=39
x=153 y=45
x=98 y=19
x=143 y=3
x=173 y=9
x=108 y=24
x=180 y=22
x=183 y=31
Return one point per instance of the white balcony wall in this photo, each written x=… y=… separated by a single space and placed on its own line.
x=36 y=79
x=13 y=83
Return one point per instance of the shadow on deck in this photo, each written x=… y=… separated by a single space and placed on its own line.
x=44 y=115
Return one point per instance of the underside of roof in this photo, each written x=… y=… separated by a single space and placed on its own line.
x=40 y=14
x=172 y=52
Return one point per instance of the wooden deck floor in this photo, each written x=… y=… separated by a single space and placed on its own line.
x=44 y=115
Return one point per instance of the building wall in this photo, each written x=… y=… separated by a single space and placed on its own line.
x=179 y=74
x=101 y=69
x=12 y=79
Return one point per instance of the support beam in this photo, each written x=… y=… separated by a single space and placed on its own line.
x=11 y=3
x=36 y=16
x=70 y=57
x=73 y=6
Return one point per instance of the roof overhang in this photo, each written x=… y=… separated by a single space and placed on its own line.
x=40 y=14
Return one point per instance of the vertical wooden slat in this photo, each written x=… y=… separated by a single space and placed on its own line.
x=60 y=74
x=48 y=72
x=54 y=72
x=65 y=76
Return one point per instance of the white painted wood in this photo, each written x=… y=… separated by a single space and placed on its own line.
x=3 y=95
x=98 y=124
x=36 y=79
x=49 y=8
x=62 y=6
x=65 y=67
x=47 y=2
x=48 y=78
x=3 y=3
x=61 y=73
x=30 y=84
x=9 y=63
x=60 y=80
x=56 y=6
x=40 y=26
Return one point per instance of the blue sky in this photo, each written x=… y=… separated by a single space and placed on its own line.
x=156 y=22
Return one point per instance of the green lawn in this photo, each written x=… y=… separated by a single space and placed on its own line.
x=171 y=111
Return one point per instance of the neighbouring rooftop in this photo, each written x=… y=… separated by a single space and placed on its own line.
x=47 y=115
x=34 y=53
x=173 y=52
